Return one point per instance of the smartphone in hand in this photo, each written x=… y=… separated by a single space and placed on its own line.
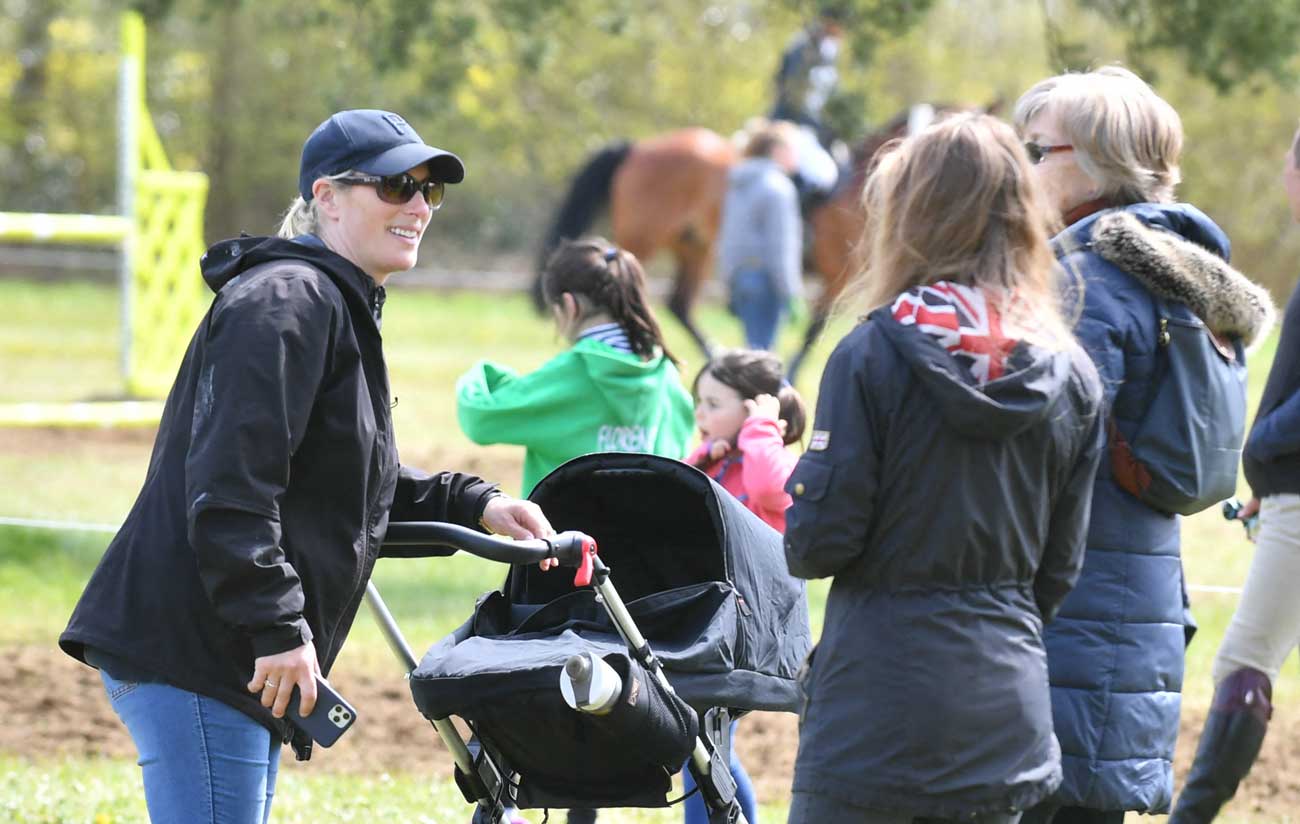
x=331 y=717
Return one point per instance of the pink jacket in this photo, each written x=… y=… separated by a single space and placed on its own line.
x=758 y=473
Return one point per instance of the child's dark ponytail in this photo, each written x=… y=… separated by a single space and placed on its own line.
x=754 y=372
x=793 y=412
x=610 y=280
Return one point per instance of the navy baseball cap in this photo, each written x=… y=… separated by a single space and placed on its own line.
x=374 y=142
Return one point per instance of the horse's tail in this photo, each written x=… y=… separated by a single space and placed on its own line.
x=587 y=197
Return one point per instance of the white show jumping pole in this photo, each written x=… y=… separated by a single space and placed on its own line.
x=128 y=161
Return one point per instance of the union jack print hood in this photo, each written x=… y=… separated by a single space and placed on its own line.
x=988 y=384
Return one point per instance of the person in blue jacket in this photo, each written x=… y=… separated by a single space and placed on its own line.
x=946 y=488
x=760 y=240
x=1266 y=624
x=1107 y=149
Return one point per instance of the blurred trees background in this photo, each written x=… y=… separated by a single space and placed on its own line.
x=523 y=90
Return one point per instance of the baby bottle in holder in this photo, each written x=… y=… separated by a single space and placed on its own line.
x=590 y=685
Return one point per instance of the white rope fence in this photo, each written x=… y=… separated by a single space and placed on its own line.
x=66 y=526
x=77 y=526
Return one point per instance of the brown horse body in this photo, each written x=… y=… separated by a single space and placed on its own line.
x=666 y=193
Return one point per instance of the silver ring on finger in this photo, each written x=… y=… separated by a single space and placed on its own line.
x=269 y=683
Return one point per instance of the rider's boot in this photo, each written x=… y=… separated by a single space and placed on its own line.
x=1230 y=742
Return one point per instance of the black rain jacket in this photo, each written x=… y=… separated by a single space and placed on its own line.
x=271 y=484
x=953 y=518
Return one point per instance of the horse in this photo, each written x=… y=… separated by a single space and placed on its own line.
x=665 y=193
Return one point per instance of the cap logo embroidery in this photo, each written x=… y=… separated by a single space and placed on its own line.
x=398 y=124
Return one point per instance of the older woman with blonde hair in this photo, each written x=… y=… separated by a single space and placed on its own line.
x=946 y=489
x=1106 y=148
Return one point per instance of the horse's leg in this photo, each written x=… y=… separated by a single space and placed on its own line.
x=814 y=331
x=836 y=227
x=693 y=261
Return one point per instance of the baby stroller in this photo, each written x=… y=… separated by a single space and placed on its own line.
x=591 y=696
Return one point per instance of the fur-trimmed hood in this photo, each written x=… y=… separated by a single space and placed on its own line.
x=1181 y=255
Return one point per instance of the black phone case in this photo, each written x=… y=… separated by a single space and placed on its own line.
x=331 y=717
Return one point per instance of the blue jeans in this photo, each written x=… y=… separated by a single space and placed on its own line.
x=697 y=813
x=204 y=762
x=755 y=300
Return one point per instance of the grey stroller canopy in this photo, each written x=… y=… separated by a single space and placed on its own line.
x=704 y=579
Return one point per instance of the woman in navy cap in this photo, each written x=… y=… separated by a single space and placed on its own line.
x=238 y=571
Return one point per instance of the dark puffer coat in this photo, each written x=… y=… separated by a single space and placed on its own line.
x=272 y=481
x=952 y=518
x=1116 y=649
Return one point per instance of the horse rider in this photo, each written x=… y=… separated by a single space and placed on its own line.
x=804 y=82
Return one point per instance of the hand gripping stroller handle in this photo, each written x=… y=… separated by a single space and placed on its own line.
x=415 y=539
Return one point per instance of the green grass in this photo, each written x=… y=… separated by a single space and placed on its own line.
x=430 y=338
x=98 y=791
x=59 y=343
x=42 y=573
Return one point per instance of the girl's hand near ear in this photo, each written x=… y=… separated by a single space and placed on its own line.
x=764 y=406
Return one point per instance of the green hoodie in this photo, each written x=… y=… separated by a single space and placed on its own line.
x=591 y=398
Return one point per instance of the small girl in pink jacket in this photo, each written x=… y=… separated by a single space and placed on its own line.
x=747 y=415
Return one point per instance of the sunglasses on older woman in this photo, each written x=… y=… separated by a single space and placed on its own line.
x=1038 y=152
x=398 y=189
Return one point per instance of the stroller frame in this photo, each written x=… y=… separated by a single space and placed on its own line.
x=483 y=780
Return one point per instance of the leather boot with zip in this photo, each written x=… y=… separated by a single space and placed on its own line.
x=1230 y=742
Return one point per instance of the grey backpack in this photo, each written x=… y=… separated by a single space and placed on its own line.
x=1183 y=458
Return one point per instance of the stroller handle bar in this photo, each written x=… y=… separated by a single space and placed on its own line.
x=413 y=539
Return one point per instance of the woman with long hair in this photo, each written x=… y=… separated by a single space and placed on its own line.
x=946 y=490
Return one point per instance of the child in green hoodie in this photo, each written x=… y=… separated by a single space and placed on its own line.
x=617 y=389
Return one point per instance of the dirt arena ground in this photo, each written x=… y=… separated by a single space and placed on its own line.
x=75 y=719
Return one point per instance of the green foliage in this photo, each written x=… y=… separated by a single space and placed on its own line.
x=58 y=76
x=871 y=22
x=526 y=89
x=1226 y=43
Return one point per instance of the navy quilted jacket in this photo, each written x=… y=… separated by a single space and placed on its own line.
x=1115 y=650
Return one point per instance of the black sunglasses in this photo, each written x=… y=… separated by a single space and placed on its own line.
x=1038 y=152
x=398 y=189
